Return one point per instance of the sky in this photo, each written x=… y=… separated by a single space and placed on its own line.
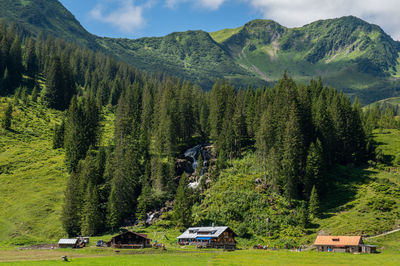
x=145 y=18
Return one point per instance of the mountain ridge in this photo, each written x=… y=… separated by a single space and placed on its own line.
x=348 y=52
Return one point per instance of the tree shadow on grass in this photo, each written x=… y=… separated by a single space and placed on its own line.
x=341 y=188
x=13 y=131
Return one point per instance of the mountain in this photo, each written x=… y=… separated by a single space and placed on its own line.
x=348 y=53
x=192 y=55
x=347 y=47
x=46 y=16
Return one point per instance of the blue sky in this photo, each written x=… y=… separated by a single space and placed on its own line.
x=139 y=18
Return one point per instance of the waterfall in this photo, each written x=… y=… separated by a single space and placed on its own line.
x=194 y=153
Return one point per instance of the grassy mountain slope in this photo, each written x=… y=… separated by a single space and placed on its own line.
x=33 y=178
x=348 y=53
x=47 y=16
x=192 y=55
x=393 y=101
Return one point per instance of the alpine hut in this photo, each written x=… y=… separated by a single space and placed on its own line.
x=130 y=240
x=343 y=244
x=212 y=237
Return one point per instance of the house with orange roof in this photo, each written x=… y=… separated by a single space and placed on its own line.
x=351 y=244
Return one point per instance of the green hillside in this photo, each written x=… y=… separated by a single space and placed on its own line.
x=33 y=175
x=393 y=101
x=48 y=17
x=348 y=53
x=33 y=180
x=360 y=200
x=191 y=55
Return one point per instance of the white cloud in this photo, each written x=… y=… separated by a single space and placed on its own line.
x=127 y=17
x=294 y=13
x=207 y=4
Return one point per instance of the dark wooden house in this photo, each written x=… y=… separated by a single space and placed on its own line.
x=343 y=244
x=130 y=240
x=211 y=237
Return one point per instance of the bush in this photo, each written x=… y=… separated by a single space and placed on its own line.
x=383 y=204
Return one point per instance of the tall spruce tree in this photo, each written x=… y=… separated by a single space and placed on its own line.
x=293 y=149
x=53 y=95
x=182 y=213
x=313 y=205
x=31 y=62
x=58 y=137
x=71 y=212
x=15 y=66
x=314 y=167
x=125 y=183
x=81 y=130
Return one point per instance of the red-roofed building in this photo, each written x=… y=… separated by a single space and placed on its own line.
x=342 y=244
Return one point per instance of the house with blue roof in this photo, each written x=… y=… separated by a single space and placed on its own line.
x=210 y=237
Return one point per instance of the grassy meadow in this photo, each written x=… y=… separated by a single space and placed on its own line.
x=194 y=257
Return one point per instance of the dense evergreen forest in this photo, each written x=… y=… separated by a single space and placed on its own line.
x=295 y=133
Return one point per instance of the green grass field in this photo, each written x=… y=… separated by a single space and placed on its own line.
x=193 y=257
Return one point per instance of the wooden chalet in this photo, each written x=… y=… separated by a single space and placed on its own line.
x=211 y=237
x=350 y=244
x=130 y=240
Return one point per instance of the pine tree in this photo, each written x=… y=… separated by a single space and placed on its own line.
x=15 y=67
x=239 y=124
x=182 y=213
x=58 y=137
x=314 y=167
x=143 y=201
x=313 y=205
x=53 y=95
x=24 y=95
x=35 y=93
x=92 y=219
x=31 y=62
x=186 y=113
x=302 y=214
x=293 y=149
x=81 y=130
x=6 y=121
x=204 y=126
x=167 y=129
x=125 y=184
x=70 y=218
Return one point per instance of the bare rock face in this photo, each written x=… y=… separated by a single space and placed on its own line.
x=183 y=166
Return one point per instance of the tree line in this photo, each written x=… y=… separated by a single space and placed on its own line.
x=297 y=131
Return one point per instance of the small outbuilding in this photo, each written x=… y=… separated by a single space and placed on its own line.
x=130 y=240
x=349 y=244
x=368 y=249
x=68 y=243
x=211 y=237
